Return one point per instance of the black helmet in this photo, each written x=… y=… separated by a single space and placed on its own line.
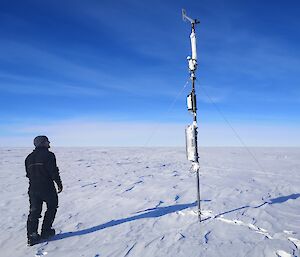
x=40 y=140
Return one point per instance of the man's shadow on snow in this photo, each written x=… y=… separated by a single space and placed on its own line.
x=148 y=213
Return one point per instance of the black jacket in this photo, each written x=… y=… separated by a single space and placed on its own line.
x=41 y=169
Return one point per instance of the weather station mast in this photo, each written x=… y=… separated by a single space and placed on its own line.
x=191 y=130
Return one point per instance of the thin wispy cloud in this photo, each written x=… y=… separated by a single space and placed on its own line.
x=72 y=78
x=125 y=62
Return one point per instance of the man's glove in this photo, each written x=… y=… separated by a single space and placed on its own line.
x=59 y=188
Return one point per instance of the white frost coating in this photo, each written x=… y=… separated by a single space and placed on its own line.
x=195 y=166
x=281 y=253
x=190 y=137
x=189 y=102
x=192 y=64
x=193 y=44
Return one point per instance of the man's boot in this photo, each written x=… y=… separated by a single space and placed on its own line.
x=33 y=239
x=47 y=233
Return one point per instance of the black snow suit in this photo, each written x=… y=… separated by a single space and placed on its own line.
x=41 y=169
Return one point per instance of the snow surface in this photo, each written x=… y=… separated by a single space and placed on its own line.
x=141 y=202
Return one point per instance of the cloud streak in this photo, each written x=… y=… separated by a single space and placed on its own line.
x=87 y=132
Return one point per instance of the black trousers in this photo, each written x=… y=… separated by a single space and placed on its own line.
x=36 y=199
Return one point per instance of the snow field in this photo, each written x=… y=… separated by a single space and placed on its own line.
x=141 y=202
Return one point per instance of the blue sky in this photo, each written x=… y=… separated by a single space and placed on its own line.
x=111 y=72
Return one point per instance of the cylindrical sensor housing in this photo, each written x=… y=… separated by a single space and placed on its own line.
x=190 y=139
x=193 y=45
x=191 y=102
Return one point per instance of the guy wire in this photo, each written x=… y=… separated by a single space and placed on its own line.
x=232 y=128
x=171 y=106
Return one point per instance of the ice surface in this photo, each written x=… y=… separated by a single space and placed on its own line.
x=141 y=202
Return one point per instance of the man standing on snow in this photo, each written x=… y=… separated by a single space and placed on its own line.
x=41 y=170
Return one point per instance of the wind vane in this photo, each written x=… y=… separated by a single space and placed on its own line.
x=191 y=130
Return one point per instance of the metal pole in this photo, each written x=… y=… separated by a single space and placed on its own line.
x=192 y=61
x=193 y=78
x=198 y=196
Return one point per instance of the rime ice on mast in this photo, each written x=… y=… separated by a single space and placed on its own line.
x=191 y=130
